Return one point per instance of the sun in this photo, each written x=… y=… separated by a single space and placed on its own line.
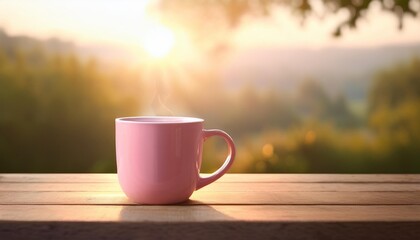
x=158 y=41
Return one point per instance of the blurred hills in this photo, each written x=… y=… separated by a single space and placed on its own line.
x=109 y=55
x=340 y=70
x=25 y=43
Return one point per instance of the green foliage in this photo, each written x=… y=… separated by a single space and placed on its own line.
x=314 y=103
x=394 y=106
x=322 y=135
x=395 y=86
x=56 y=112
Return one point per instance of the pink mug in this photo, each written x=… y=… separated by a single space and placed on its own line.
x=159 y=158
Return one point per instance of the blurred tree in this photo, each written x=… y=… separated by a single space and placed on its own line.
x=394 y=104
x=56 y=111
x=313 y=100
x=342 y=114
x=230 y=12
x=315 y=104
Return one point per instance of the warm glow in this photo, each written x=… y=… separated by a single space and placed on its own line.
x=268 y=150
x=310 y=137
x=125 y=23
x=159 y=41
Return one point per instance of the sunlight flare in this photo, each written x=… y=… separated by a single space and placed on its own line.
x=159 y=41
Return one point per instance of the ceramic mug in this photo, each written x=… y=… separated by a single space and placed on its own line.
x=159 y=158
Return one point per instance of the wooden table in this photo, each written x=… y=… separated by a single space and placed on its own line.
x=238 y=206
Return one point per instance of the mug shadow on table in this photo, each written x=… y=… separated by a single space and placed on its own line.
x=188 y=211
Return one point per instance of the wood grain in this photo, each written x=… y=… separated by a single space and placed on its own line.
x=243 y=178
x=206 y=213
x=13 y=230
x=237 y=206
x=230 y=198
x=219 y=187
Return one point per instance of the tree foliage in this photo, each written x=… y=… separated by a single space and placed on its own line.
x=232 y=11
x=56 y=111
x=394 y=104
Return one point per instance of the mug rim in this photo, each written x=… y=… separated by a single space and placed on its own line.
x=159 y=120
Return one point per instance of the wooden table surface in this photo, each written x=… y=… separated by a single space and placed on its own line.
x=238 y=206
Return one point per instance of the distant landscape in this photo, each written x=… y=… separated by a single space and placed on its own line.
x=339 y=70
x=349 y=71
x=327 y=110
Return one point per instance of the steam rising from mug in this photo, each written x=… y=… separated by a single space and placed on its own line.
x=156 y=90
x=161 y=95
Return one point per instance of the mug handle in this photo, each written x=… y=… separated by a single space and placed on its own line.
x=203 y=181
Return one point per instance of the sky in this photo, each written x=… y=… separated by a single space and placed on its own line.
x=123 y=23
